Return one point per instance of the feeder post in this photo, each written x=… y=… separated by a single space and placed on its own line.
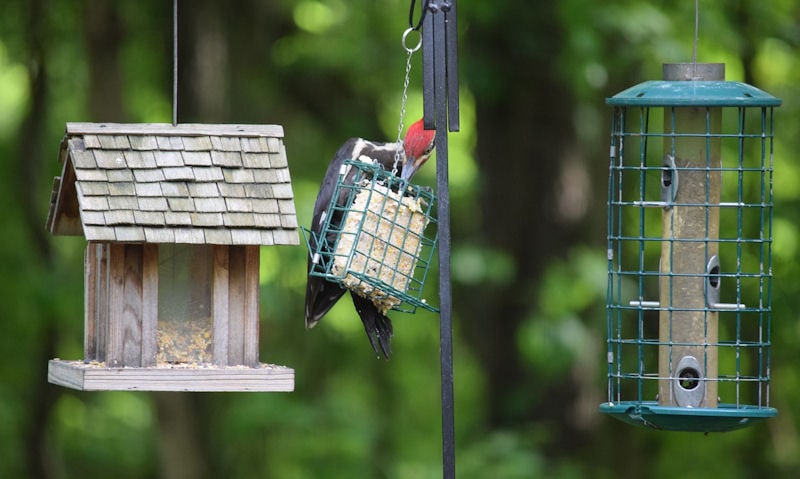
x=689 y=271
x=441 y=112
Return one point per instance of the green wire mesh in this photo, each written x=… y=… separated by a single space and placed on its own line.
x=378 y=237
x=689 y=262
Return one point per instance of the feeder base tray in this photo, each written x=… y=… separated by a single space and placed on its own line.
x=94 y=377
x=725 y=417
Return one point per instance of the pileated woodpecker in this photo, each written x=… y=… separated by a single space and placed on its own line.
x=321 y=295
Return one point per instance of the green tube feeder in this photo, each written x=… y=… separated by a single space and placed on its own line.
x=690 y=252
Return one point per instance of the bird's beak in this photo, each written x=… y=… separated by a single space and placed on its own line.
x=409 y=169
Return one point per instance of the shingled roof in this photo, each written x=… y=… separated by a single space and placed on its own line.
x=159 y=183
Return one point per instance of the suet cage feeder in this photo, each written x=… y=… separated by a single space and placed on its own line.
x=378 y=237
x=690 y=252
x=174 y=217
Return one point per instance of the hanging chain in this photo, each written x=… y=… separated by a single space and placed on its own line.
x=174 y=62
x=404 y=98
x=696 y=32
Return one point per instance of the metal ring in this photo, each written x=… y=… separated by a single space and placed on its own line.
x=405 y=36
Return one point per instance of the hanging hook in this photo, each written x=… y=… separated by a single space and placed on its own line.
x=421 y=16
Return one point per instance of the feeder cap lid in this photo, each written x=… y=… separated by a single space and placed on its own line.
x=693 y=93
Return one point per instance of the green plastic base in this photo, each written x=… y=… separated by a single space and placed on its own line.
x=725 y=417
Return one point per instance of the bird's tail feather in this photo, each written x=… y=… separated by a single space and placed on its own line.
x=376 y=324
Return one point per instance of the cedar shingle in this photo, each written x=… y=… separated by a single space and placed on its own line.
x=189 y=235
x=114 y=142
x=230 y=190
x=148 y=189
x=282 y=191
x=217 y=236
x=159 y=235
x=203 y=190
x=119 y=217
x=238 y=220
x=100 y=233
x=148 y=218
x=180 y=204
x=180 y=174
x=288 y=221
x=255 y=145
x=140 y=159
x=93 y=188
x=143 y=142
x=177 y=218
x=262 y=191
x=109 y=159
x=245 y=236
x=242 y=205
x=238 y=175
x=169 y=158
x=153 y=204
x=122 y=203
x=122 y=188
x=174 y=189
x=91 y=141
x=90 y=175
x=119 y=175
x=265 y=205
x=197 y=143
x=206 y=219
x=227 y=158
x=255 y=160
x=93 y=217
x=286 y=207
x=196 y=158
x=83 y=159
x=278 y=160
x=169 y=142
x=93 y=203
x=265 y=176
x=209 y=205
x=226 y=143
x=213 y=173
x=129 y=233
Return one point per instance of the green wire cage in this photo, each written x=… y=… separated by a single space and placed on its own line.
x=378 y=237
x=690 y=252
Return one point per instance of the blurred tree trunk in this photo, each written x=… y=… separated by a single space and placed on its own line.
x=525 y=133
x=42 y=396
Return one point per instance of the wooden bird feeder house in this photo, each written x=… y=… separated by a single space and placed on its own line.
x=174 y=217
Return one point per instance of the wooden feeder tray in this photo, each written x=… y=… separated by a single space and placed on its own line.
x=94 y=376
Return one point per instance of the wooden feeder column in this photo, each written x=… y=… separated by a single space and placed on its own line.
x=688 y=329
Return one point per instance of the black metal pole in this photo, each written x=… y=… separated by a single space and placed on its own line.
x=440 y=90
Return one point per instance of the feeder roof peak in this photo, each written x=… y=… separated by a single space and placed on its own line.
x=661 y=93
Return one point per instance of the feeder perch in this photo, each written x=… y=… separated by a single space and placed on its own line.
x=373 y=241
x=690 y=252
x=174 y=217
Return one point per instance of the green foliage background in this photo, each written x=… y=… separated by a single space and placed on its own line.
x=328 y=70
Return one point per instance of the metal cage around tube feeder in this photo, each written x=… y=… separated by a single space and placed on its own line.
x=690 y=252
